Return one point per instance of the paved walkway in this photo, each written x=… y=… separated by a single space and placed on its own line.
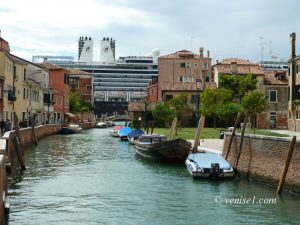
x=288 y=132
x=210 y=145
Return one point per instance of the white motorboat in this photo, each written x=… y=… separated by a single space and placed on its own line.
x=101 y=125
x=208 y=165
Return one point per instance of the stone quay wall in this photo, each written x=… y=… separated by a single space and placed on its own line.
x=263 y=158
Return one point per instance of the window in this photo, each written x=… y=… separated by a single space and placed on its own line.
x=188 y=65
x=298 y=91
x=187 y=79
x=207 y=79
x=297 y=114
x=24 y=75
x=24 y=93
x=194 y=99
x=89 y=87
x=273 y=96
x=66 y=78
x=169 y=97
x=182 y=65
x=205 y=66
x=195 y=65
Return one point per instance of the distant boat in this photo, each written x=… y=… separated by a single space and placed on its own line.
x=115 y=130
x=101 y=125
x=134 y=135
x=71 y=129
x=158 y=148
x=208 y=165
x=123 y=132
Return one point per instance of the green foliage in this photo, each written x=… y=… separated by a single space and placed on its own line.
x=253 y=103
x=77 y=105
x=181 y=106
x=228 y=112
x=296 y=102
x=163 y=114
x=238 y=85
x=213 y=99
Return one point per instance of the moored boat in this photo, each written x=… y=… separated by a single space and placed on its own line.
x=71 y=129
x=134 y=135
x=158 y=148
x=208 y=165
x=115 y=130
x=101 y=125
x=123 y=132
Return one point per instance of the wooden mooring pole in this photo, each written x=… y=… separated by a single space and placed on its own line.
x=32 y=122
x=198 y=133
x=237 y=119
x=241 y=143
x=18 y=150
x=286 y=164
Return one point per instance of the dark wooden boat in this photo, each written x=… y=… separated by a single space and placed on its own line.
x=158 y=148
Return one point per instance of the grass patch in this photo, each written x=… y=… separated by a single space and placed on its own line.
x=188 y=133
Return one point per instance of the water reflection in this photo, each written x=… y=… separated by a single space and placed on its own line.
x=93 y=178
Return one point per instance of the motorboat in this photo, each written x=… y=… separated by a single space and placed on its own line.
x=115 y=130
x=208 y=165
x=134 y=135
x=71 y=129
x=159 y=148
x=123 y=132
x=101 y=125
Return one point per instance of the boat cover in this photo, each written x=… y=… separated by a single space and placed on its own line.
x=204 y=160
x=135 y=133
x=124 y=131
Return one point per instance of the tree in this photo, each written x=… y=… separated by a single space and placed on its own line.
x=212 y=100
x=74 y=102
x=77 y=105
x=163 y=114
x=237 y=84
x=253 y=103
x=228 y=112
x=180 y=104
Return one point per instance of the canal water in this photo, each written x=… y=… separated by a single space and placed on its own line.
x=92 y=178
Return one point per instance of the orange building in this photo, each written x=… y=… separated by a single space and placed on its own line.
x=81 y=82
x=180 y=72
x=59 y=82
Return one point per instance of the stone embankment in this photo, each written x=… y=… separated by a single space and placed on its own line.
x=263 y=158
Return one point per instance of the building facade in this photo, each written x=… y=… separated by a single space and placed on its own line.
x=180 y=72
x=275 y=115
x=294 y=87
x=81 y=82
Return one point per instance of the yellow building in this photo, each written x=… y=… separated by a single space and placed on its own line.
x=7 y=93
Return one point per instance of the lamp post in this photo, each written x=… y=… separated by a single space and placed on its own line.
x=198 y=88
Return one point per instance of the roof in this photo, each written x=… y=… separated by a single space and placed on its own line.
x=78 y=72
x=180 y=54
x=49 y=66
x=243 y=67
x=238 y=61
x=273 y=77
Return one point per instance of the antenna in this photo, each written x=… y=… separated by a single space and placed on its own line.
x=262 y=48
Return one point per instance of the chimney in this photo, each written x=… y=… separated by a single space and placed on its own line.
x=207 y=53
x=293 y=45
x=201 y=53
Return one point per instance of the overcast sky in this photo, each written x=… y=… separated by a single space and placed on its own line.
x=228 y=28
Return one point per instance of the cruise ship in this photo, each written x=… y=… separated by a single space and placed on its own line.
x=115 y=81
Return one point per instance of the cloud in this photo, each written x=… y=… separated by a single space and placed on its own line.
x=226 y=28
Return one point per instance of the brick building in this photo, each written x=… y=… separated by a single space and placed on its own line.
x=180 y=72
x=241 y=67
x=294 y=87
x=275 y=89
x=81 y=82
x=59 y=82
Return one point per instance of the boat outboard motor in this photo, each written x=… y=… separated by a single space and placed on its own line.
x=214 y=170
